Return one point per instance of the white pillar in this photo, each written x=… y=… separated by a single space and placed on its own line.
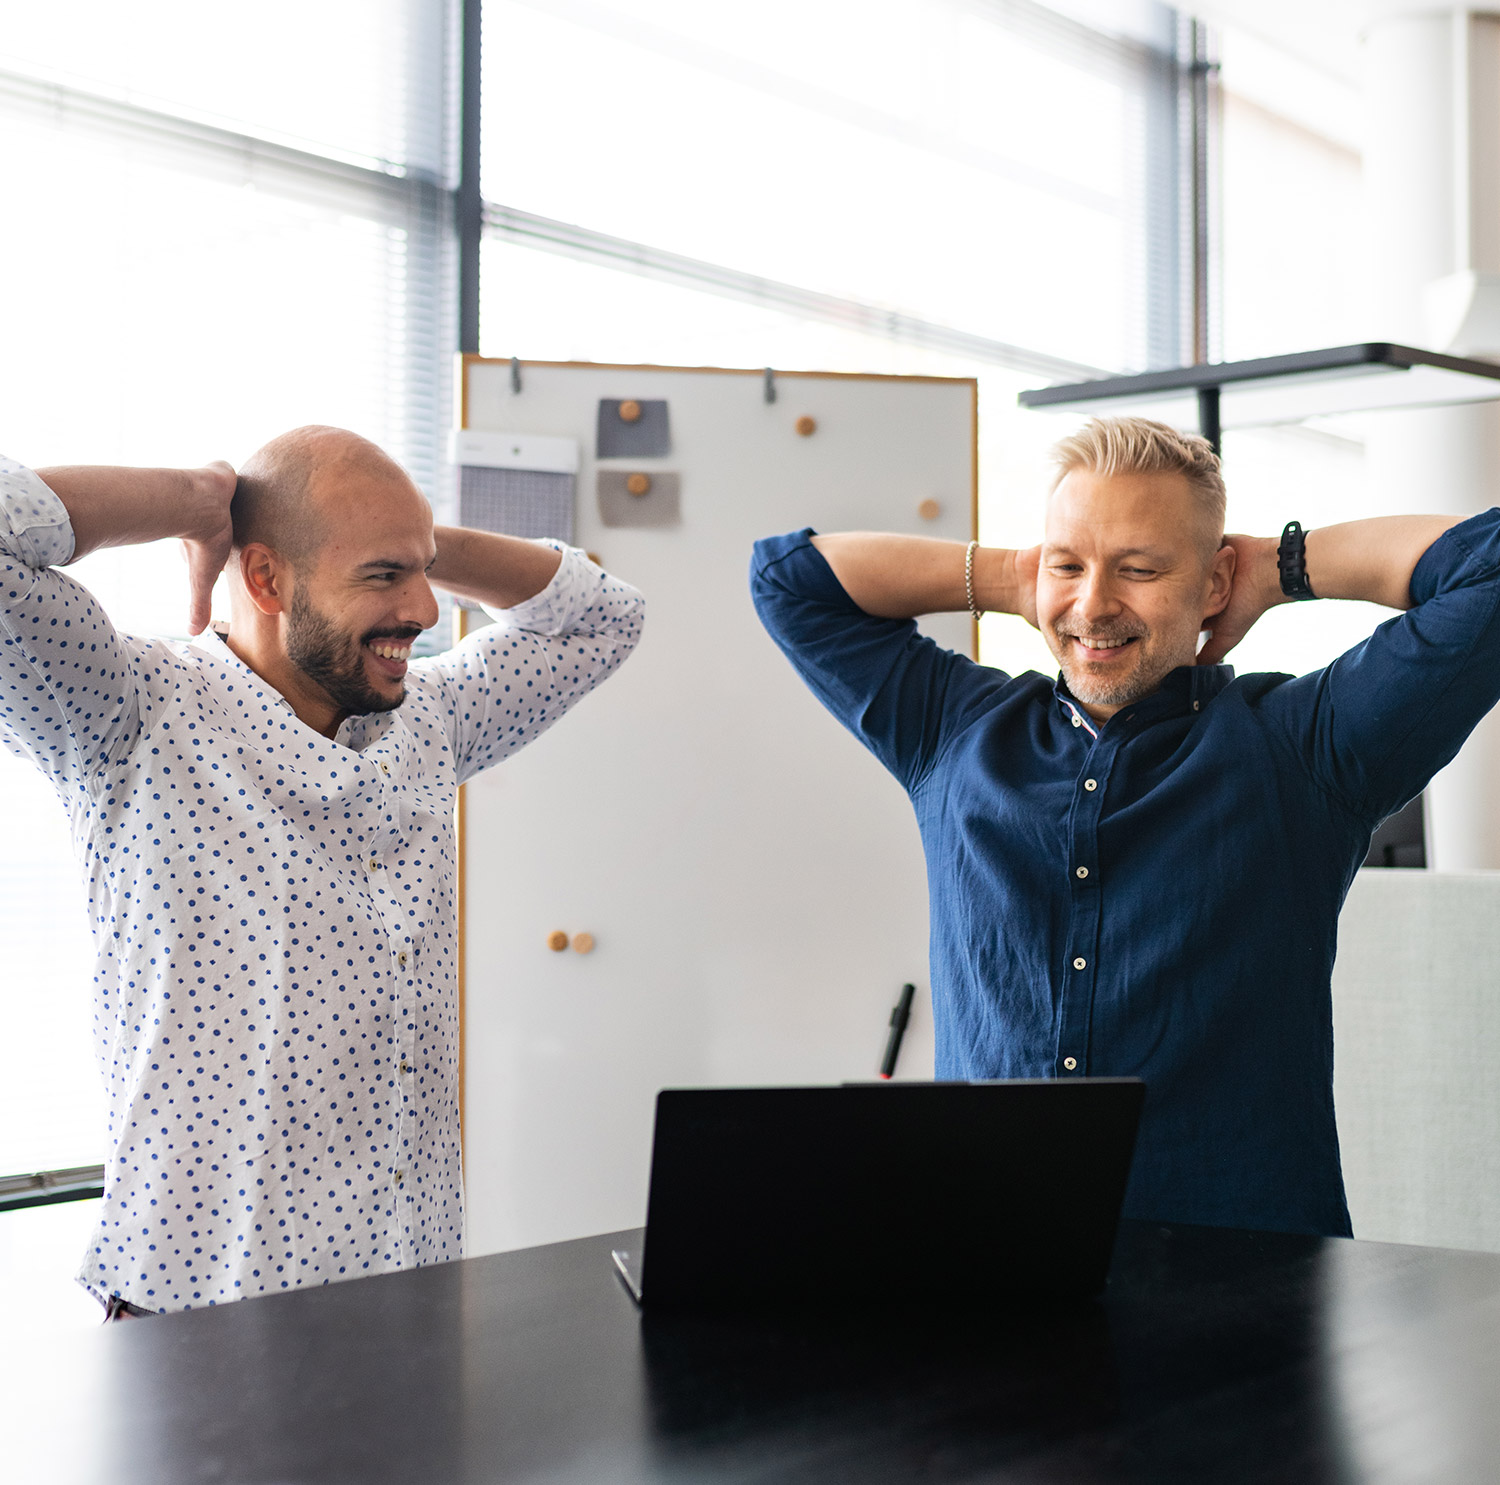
x=1432 y=194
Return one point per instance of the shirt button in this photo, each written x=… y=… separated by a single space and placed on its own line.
x=406 y=1067
x=1081 y=873
x=1070 y=1063
x=374 y=863
x=1077 y=720
x=1195 y=706
x=1091 y=784
x=384 y=768
x=1080 y=963
x=401 y=959
x=400 y=1176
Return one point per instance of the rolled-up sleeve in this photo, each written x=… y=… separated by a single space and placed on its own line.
x=900 y=693
x=68 y=693
x=513 y=679
x=1385 y=716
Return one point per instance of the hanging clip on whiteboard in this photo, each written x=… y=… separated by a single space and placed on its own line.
x=515 y=376
x=770 y=385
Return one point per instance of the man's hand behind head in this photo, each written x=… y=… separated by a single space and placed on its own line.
x=207 y=543
x=117 y=505
x=1256 y=587
x=1027 y=562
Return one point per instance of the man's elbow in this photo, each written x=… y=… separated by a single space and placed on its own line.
x=629 y=617
x=637 y=616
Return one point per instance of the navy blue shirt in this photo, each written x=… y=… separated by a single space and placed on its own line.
x=1158 y=895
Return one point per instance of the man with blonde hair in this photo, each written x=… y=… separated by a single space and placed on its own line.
x=1138 y=869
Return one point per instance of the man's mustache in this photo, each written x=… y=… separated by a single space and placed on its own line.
x=401 y=635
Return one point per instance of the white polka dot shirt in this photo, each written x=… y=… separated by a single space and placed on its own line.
x=275 y=990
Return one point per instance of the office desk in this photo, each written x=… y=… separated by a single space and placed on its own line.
x=1217 y=1355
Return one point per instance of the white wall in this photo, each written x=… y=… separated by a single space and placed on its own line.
x=1416 y=1005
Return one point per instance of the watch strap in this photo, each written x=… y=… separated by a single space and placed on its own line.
x=1291 y=562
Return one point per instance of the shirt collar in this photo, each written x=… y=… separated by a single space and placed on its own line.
x=1188 y=688
x=355 y=732
x=215 y=642
x=1201 y=683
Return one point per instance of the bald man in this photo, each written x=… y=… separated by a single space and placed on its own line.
x=265 y=818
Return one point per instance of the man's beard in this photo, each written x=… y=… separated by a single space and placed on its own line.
x=1107 y=690
x=335 y=661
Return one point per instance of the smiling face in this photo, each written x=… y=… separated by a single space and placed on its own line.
x=332 y=544
x=361 y=598
x=1128 y=575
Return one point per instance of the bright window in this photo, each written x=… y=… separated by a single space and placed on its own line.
x=1007 y=172
x=220 y=223
x=982 y=167
x=1290 y=226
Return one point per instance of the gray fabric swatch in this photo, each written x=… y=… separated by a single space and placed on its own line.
x=649 y=437
x=517 y=502
x=661 y=505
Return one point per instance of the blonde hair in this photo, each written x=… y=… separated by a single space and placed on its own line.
x=1139 y=446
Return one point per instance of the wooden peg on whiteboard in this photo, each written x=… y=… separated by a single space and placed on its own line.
x=639 y=484
x=557 y=940
x=929 y=510
x=630 y=412
x=583 y=943
x=807 y=426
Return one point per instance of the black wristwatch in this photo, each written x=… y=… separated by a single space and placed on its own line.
x=1291 y=562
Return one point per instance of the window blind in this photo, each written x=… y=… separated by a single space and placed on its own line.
x=220 y=223
x=983 y=166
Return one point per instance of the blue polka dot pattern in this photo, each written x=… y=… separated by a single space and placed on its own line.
x=276 y=1011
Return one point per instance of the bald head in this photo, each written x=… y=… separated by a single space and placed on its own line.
x=295 y=490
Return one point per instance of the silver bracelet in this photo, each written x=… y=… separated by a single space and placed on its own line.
x=969 y=581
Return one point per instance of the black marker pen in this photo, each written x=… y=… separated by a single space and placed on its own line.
x=899 y=1017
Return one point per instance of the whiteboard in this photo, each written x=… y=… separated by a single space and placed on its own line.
x=752 y=878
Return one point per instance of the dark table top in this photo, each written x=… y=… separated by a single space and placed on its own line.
x=1217 y=1355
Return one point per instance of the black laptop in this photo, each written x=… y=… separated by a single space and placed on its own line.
x=923 y=1195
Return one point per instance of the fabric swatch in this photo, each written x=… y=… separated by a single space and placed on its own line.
x=661 y=505
x=648 y=437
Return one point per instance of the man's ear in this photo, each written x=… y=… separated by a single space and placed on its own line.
x=266 y=576
x=1221 y=581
